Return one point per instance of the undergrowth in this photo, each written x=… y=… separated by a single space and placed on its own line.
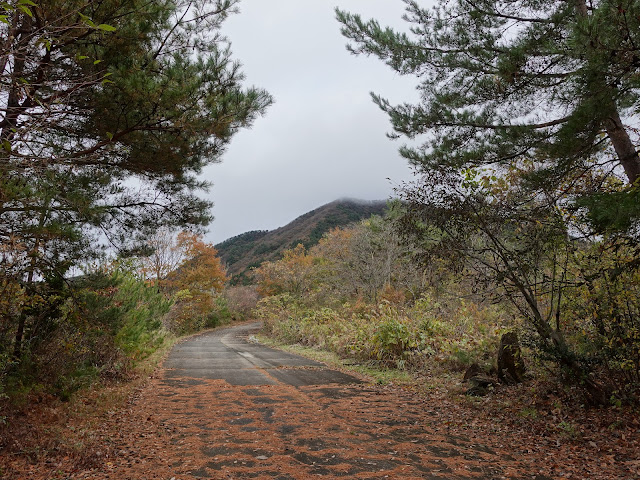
x=454 y=333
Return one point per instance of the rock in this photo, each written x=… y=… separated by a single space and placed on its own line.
x=511 y=368
x=481 y=383
x=473 y=371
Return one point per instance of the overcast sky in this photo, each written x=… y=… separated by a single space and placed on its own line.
x=323 y=138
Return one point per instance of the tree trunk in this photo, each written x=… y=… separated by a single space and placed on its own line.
x=623 y=146
x=15 y=90
x=19 y=338
x=17 y=344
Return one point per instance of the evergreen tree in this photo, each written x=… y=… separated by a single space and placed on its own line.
x=554 y=83
x=108 y=112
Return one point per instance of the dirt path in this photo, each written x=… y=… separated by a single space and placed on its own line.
x=275 y=415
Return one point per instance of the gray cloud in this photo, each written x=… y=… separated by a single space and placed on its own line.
x=323 y=138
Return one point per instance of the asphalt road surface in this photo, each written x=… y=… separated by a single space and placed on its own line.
x=223 y=407
x=228 y=355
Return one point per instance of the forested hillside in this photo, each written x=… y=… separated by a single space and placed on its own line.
x=242 y=253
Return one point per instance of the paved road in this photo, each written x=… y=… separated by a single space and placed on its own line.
x=228 y=355
x=225 y=408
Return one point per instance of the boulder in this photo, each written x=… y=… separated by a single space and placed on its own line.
x=473 y=371
x=480 y=384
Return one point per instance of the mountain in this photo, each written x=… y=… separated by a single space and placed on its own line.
x=242 y=253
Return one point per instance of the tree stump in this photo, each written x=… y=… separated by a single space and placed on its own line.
x=511 y=368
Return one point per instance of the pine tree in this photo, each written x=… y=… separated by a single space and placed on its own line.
x=550 y=82
x=525 y=107
x=108 y=112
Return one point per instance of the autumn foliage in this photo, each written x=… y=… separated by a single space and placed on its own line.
x=200 y=268
x=294 y=273
x=195 y=284
x=363 y=293
x=61 y=336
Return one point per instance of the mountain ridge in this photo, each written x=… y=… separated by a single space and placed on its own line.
x=248 y=250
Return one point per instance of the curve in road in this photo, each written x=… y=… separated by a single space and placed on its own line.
x=228 y=355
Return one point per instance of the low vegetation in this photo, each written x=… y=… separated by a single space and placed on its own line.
x=99 y=331
x=369 y=294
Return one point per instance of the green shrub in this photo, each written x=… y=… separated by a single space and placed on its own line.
x=94 y=327
x=396 y=338
x=141 y=308
x=67 y=384
x=604 y=315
